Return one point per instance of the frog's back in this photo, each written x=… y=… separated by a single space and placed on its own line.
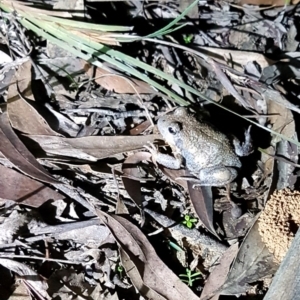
x=203 y=146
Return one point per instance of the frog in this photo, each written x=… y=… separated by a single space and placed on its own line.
x=207 y=153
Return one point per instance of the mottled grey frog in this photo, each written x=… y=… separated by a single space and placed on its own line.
x=207 y=153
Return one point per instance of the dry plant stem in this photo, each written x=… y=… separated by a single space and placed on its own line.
x=40 y=258
x=47 y=252
x=251 y=8
x=108 y=112
x=115 y=180
x=57 y=229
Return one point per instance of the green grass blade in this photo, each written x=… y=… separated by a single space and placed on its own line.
x=176 y=20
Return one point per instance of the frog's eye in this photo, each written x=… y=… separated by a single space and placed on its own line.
x=174 y=128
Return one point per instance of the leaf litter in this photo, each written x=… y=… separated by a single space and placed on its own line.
x=85 y=211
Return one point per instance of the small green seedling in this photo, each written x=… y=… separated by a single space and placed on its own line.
x=175 y=246
x=188 y=221
x=188 y=39
x=120 y=270
x=190 y=278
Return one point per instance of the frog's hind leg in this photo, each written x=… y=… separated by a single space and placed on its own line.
x=217 y=176
x=220 y=176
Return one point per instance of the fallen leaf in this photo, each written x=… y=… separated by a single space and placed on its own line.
x=253 y=262
x=28 y=8
x=22 y=115
x=174 y=175
x=130 y=167
x=218 y=275
x=30 y=277
x=93 y=35
x=226 y=82
x=91 y=148
x=282 y=119
x=155 y=275
x=136 y=278
x=139 y=129
x=117 y=82
x=131 y=182
x=267 y=2
x=20 y=289
x=22 y=189
x=15 y=151
x=238 y=58
x=202 y=201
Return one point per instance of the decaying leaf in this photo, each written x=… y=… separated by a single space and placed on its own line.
x=266 y=2
x=91 y=148
x=237 y=58
x=29 y=277
x=22 y=115
x=20 y=289
x=253 y=262
x=115 y=81
x=218 y=276
x=132 y=178
x=65 y=284
x=22 y=189
x=203 y=204
x=154 y=273
x=131 y=168
x=136 y=278
x=15 y=151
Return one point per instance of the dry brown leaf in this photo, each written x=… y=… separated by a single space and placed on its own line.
x=117 y=82
x=218 y=276
x=92 y=148
x=139 y=129
x=173 y=174
x=27 y=7
x=20 y=288
x=267 y=2
x=253 y=262
x=133 y=175
x=130 y=166
x=237 y=58
x=96 y=36
x=20 y=188
x=282 y=119
x=29 y=277
x=22 y=115
x=155 y=275
x=15 y=151
x=137 y=279
x=202 y=200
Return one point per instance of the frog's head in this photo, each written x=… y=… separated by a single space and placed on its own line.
x=170 y=125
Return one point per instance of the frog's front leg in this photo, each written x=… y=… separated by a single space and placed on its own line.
x=217 y=176
x=166 y=160
x=245 y=148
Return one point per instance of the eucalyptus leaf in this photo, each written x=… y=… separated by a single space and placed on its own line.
x=253 y=262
